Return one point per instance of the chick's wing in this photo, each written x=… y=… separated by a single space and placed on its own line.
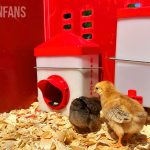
x=118 y=114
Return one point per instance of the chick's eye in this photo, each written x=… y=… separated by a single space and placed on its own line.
x=96 y=88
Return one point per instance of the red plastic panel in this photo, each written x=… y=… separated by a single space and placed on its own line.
x=19 y=36
x=136 y=12
x=104 y=21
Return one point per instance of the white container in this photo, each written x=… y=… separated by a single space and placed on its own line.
x=133 y=43
x=79 y=77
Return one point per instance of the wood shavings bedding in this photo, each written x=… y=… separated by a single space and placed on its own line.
x=32 y=129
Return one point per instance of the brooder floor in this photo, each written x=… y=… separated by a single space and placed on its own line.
x=32 y=129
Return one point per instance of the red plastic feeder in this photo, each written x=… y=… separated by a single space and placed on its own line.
x=70 y=57
x=55 y=94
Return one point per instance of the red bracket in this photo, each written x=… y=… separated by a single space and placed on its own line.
x=132 y=94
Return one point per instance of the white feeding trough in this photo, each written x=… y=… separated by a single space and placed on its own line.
x=67 y=67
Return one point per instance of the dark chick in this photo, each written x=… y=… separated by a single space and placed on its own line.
x=85 y=114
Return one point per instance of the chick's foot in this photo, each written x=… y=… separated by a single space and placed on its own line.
x=118 y=144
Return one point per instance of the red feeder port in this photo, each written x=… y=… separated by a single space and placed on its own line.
x=55 y=92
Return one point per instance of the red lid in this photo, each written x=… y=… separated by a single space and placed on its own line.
x=55 y=90
x=65 y=44
x=133 y=12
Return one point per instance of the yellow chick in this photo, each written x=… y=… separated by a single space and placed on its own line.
x=124 y=115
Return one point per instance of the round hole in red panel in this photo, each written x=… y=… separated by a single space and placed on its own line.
x=55 y=92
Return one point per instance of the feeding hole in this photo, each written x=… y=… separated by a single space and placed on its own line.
x=87 y=36
x=67 y=16
x=53 y=94
x=87 y=13
x=134 y=5
x=67 y=26
x=87 y=24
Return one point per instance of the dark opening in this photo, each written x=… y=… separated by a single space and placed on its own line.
x=87 y=13
x=87 y=36
x=53 y=94
x=67 y=16
x=134 y=5
x=67 y=26
x=131 y=5
x=87 y=24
